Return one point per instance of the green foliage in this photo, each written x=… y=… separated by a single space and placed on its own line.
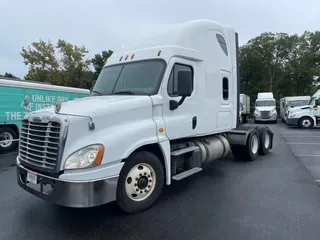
x=98 y=62
x=282 y=63
x=63 y=64
x=9 y=75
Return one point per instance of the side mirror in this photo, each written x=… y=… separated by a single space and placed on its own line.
x=185 y=83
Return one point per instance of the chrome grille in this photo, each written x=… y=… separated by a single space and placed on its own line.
x=39 y=143
x=265 y=114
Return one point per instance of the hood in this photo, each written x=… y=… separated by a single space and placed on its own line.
x=300 y=108
x=101 y=105
x=265 y=108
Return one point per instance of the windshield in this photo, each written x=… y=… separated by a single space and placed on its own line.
x=265 y=103
x=312 y=100
x=297 y=103
x=141 y=78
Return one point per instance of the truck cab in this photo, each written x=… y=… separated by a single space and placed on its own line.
x=287 y=103
x=161 y=109
x=306 y=116
x=265 y=108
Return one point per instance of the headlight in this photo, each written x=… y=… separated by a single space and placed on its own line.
x=274 y=112
x=256 y=112
x=89 y=156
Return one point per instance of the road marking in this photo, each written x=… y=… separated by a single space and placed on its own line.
x=295 y=136
x=300 y=143
x=307 y=155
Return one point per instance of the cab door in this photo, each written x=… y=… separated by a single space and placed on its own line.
x=180 y=122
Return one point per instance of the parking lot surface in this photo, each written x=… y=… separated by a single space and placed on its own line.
x=305 y=145
x=274 y=197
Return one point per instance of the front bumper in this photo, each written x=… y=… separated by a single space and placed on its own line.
x=69 y=193
x=293 y=121
x=271 y=118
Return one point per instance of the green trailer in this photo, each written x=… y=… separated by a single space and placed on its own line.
x=40 y=95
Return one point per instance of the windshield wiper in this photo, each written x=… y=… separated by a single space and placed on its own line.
x=125 y=92
x=99 y=93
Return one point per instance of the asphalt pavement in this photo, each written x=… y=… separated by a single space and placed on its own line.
x=274 y=197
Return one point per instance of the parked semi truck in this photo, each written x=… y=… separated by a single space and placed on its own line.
x=306 y=116
x=265 y=108
x=245 y=107
x=160 y=110
x=286 y=103
x=12 y=95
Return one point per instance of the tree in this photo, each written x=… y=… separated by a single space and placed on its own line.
x=99 y=61
x=282 y=63
x=9 y=75
x=63 y=64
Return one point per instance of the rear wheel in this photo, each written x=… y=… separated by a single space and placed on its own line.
x=265 y=140
x=249 y=151
x=140 y=182
x=305 y=122
x=7 y=135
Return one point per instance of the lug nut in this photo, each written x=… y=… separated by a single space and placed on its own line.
x=149 y=186
x=141 y=191
x=140 y=174
x=137 y=189
x=145 y=173
x=135 y=184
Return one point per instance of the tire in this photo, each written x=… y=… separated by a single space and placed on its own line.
x=7 y=134
x=265 y=140
x=138 y=168
x=248 y=152
x=305 y=122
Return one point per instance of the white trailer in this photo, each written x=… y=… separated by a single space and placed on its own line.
x=306 y=116
x=244 y=108
x=265 y=108
x=160 y=110
x=286 y=103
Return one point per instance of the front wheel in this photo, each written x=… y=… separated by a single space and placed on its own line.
x=140 y=182
x=305 y=122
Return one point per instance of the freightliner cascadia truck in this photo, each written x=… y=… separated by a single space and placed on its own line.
x=161 y=109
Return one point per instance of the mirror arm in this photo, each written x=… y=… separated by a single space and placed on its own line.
x=174 y=104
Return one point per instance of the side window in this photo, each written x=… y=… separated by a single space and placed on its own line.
x=222 y=43
x=173 y=79
x=225 y=88
x=317 y=102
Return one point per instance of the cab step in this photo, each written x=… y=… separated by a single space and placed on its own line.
x=186 y=174
x=184 y=150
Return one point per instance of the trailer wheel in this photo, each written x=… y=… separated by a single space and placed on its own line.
x=305 y=122
x=7 y=135
x=265 y=140
x=140 y=182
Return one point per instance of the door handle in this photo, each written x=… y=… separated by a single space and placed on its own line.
x=194 y=122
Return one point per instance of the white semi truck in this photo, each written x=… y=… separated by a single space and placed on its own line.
x=244 y=108
x=306 y=116
x=287 y=103
x=265 y=108
x=160 y=110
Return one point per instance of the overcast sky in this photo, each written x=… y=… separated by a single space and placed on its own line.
x=105 y=24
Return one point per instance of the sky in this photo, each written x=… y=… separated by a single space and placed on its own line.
x=103 y=25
